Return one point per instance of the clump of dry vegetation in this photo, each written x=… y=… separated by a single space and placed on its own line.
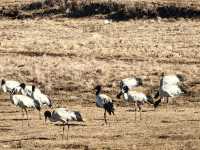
x=67 y=57
x=120 y=10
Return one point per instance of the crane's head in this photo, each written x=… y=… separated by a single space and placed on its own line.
x=3 y=82
x=98 y=87
x=47 y=114
x=33 y=88
x=162 y=74
x=22 y=85
x=125 y=89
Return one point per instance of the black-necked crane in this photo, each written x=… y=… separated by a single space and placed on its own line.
x=137 y=98
x=105 y=102
x=63 y=115
x=41 y=98
x=170 y=86
x=9 y=85
x=35 y=93
x=24 y=102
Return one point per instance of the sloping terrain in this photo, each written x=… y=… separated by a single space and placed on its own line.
x=67 y=57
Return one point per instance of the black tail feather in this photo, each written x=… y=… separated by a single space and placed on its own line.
x=183 y=89
x=139 y=80
x=180 y=77
x=157 y=94
x=156 y=103
x=78 y=116
x=37 y=105
x=109 y=107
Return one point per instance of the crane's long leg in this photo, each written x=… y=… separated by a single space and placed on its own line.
x=63 y=130
x=135 y=110
x=22 y=113
x=67 y=130
x=140 y=109
x=167 y=99
x=27 y=116
x=105 y=117
x=40 y=118
x=166 y=103
x=22 y=117
x=115 y=116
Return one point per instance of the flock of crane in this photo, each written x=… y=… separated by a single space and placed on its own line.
x=29 y=96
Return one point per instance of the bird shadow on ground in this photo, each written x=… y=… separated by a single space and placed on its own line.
x=71 y=124
x=3 y=99
x=193 y=120
x=15 y=119
x=14 y=111
x=99 y=119
x=5 y=129
x=133 y=110
x=3 y=105
x=167 y=121
x=26 y=139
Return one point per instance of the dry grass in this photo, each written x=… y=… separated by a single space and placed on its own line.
x=75 y=55
x=171 y=128
x=66 y=58
x=115 y=10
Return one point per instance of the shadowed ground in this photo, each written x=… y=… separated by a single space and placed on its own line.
x=66 y=58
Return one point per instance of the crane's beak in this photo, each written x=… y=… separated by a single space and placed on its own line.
x=50 y=105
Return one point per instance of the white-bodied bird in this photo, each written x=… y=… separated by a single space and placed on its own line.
x=24 y=102
x=138 y=98
x=170 y=86
x=105 y=102
x=41 y=98
x=63 y=115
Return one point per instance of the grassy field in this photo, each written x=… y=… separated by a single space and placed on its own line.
x=68 y=57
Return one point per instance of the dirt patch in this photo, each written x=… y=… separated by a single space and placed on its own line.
x=177 y=137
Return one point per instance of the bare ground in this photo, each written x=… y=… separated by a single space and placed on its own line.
x=171 y=127
x=66 y=58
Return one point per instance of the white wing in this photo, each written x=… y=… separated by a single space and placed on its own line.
x=10 y=85
x=44 y=99
x=171 y=79
x=62 y=114
x=24 y=101
x=172 y=90
x=130 y=82
x=137 y=96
